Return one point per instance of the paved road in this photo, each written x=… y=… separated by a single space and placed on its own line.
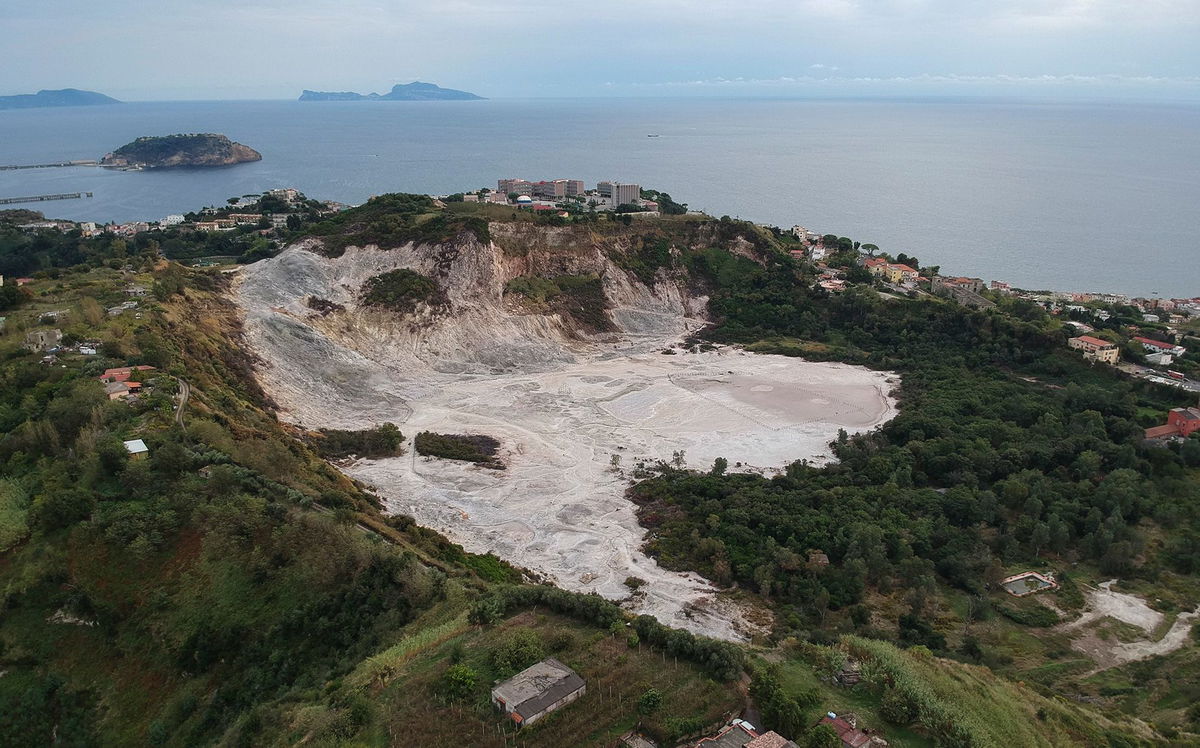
x=1154 y=375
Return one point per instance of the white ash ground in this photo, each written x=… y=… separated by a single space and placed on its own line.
x=561 y=410
x=1104 y=602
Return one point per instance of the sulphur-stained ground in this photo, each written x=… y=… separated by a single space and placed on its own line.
x=573 y=417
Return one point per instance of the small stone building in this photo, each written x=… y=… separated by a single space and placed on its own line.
x=538 y=690
x=42 y=340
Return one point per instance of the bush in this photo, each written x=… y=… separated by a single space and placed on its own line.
x=467 y=447
x=381 y=441
x=459 y=682
x=400 y=290
x=519 y=650
x=650 y=701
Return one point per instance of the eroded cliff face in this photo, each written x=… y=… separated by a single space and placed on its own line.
x=573 y=410
x=481 y=331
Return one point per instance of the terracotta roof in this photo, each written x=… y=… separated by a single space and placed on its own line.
x=851 y=737
x=1160 y=431
x=770 y=740
x=902 y=268
x=1093 y=340
x=1155 y=343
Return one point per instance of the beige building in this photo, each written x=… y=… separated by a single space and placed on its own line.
x=1095 y=349
x=509 y=186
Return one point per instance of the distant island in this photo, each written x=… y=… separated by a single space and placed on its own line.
x=415 y=91
x=167 y=151
x=61 y=97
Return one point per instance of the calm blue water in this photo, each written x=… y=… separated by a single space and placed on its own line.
x=1095 y=197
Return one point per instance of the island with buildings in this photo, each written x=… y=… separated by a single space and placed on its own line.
x=181 y=150
x=415 y=91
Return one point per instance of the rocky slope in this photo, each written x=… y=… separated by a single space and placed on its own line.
x=574 y=410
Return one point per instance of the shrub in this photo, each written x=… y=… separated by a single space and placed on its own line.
x=459 y=682
x=519 y=650
x=467 y=447
x=400 y=290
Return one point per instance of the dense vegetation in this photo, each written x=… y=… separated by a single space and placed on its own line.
x=1006 y=448
x=373 y=443
x=183 y=150
x=581 y=297
x=400 y=290
x=477 y=448
x=394 y=220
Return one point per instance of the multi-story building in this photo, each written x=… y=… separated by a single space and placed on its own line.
x=575 y=187
x=620 y=192
x=1095 y=349
x=551 y=189
x=509 y=186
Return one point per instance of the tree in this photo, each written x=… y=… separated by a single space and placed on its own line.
x=720 y=465
x=822 y=736
x=896 y=708
x=649 y=702
x=519 y=650
x=459 y=682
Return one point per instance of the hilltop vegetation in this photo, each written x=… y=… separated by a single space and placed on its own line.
x=193 y=149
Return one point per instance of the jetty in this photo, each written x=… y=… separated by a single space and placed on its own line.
x=10 y=167
x=41 y=198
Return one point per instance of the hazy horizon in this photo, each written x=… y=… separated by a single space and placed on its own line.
x=226 y=50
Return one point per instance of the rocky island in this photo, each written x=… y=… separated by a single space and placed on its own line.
x=415 y=91
x=169 y=151
x=61 y=97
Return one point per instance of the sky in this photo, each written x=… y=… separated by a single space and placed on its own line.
x=272 y=49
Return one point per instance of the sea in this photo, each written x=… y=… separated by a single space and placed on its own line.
x=1099 y=196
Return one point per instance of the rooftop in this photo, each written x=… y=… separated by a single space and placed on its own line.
x=136 y=446
x=538 y=686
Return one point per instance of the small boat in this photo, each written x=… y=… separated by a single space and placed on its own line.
x=652 y=135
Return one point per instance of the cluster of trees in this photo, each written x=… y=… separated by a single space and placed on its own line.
x=393 y=220
x=381 y=441
x=478 y=448
x=401 y=290
x=581 y=297
x=1005 y=448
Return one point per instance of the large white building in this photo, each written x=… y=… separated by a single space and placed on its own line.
x=621 y=193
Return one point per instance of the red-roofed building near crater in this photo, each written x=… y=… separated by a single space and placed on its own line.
x=848 y=732
x=122 y=374
x=1095 y=349
x=1181 y=423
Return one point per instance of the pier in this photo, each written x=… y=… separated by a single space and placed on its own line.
x=42 y=198
x=10 y=167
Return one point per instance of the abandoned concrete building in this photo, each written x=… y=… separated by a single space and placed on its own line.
x=538 y=690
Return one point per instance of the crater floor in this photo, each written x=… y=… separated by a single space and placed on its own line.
x=559 y=507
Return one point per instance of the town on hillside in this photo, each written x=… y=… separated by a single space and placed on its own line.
x=1148 y=338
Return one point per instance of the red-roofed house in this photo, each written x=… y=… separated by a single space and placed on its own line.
x=1181 y=422
x=901 y=274
x=1095 y=349
x=850 y=735
x=876 y=265
x=1158 y=346
x=122 y=374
